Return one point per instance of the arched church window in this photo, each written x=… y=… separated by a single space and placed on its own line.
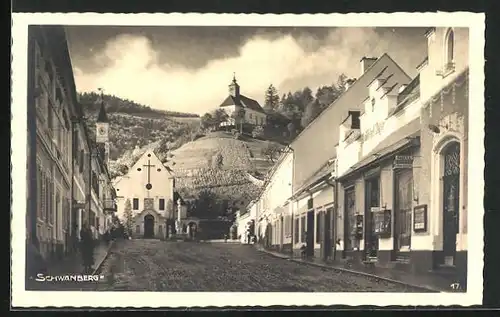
x=450 y=46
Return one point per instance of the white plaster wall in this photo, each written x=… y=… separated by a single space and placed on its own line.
x=347 y=156
x=431 y=82
x=133 y=185
x=251 y=116
x=391 y=124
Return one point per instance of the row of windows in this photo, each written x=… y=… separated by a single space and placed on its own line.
x=50 y=110
x=135 y=204
x=52 y=205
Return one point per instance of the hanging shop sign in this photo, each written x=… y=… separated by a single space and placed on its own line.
x=420 y=218
x=403 y=162
x=79 y=205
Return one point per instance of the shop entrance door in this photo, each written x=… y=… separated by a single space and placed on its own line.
x=451 y=201
x=402 y=214
x=372 y=199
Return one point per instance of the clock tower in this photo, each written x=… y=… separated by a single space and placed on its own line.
x=102 y=130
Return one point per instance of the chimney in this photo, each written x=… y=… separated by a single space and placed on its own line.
x=366 y=62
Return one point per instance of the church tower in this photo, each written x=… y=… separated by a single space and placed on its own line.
x=234 y=88
x=102 y=131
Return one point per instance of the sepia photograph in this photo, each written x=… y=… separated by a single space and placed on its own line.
x=215 y=157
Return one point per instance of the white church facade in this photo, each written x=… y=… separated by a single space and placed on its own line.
x=145 y=198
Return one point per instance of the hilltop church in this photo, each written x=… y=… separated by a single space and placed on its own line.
x=147 y=195
x=254 y=113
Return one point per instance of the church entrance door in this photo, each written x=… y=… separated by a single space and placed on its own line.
x=149 y=226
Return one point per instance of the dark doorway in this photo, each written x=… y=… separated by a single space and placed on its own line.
x=451 y=201
x=372 y=199
x=310 y=233
x=149 y=227
x=327 y=234
x=402 y=214
x=192 y=229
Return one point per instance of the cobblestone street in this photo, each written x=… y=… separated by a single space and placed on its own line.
x=152 y=265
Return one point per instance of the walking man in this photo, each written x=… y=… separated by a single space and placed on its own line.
x=87 y=248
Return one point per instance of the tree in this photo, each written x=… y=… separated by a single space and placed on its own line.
x=291 y=129
x=239 y=117
x=326 y=95
x=271 y=151
x=207 y=121
x=313 y=109
x=219 y=116
x=258 y=132
x=128 y=217
x=306 y=97
x=272 y=98
x=341 y=81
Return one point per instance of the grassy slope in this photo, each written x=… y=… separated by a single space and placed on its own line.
x=195 y=172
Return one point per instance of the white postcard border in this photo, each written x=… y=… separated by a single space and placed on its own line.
x=22 y=298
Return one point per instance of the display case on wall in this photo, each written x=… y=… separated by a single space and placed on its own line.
x=382 y=223
x=358 y=227
x=420 y=218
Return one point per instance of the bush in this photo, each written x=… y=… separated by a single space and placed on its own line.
x=258 y=132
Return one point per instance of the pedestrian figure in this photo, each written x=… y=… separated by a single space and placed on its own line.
x=225 y=238
x=87 y=248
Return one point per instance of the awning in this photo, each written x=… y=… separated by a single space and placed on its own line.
x=404 y=138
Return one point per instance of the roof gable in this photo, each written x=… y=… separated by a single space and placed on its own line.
x=149 y=157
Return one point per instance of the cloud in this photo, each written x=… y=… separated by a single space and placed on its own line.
x=131 y=67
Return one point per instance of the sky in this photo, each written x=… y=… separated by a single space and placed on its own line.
x=188 y=69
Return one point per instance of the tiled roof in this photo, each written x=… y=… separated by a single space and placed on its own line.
x=243 y=101
x=407 y=135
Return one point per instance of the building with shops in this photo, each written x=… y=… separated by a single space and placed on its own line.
x=403 y=200
x=391 y=189
x=60 y=190
x=316 y=151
